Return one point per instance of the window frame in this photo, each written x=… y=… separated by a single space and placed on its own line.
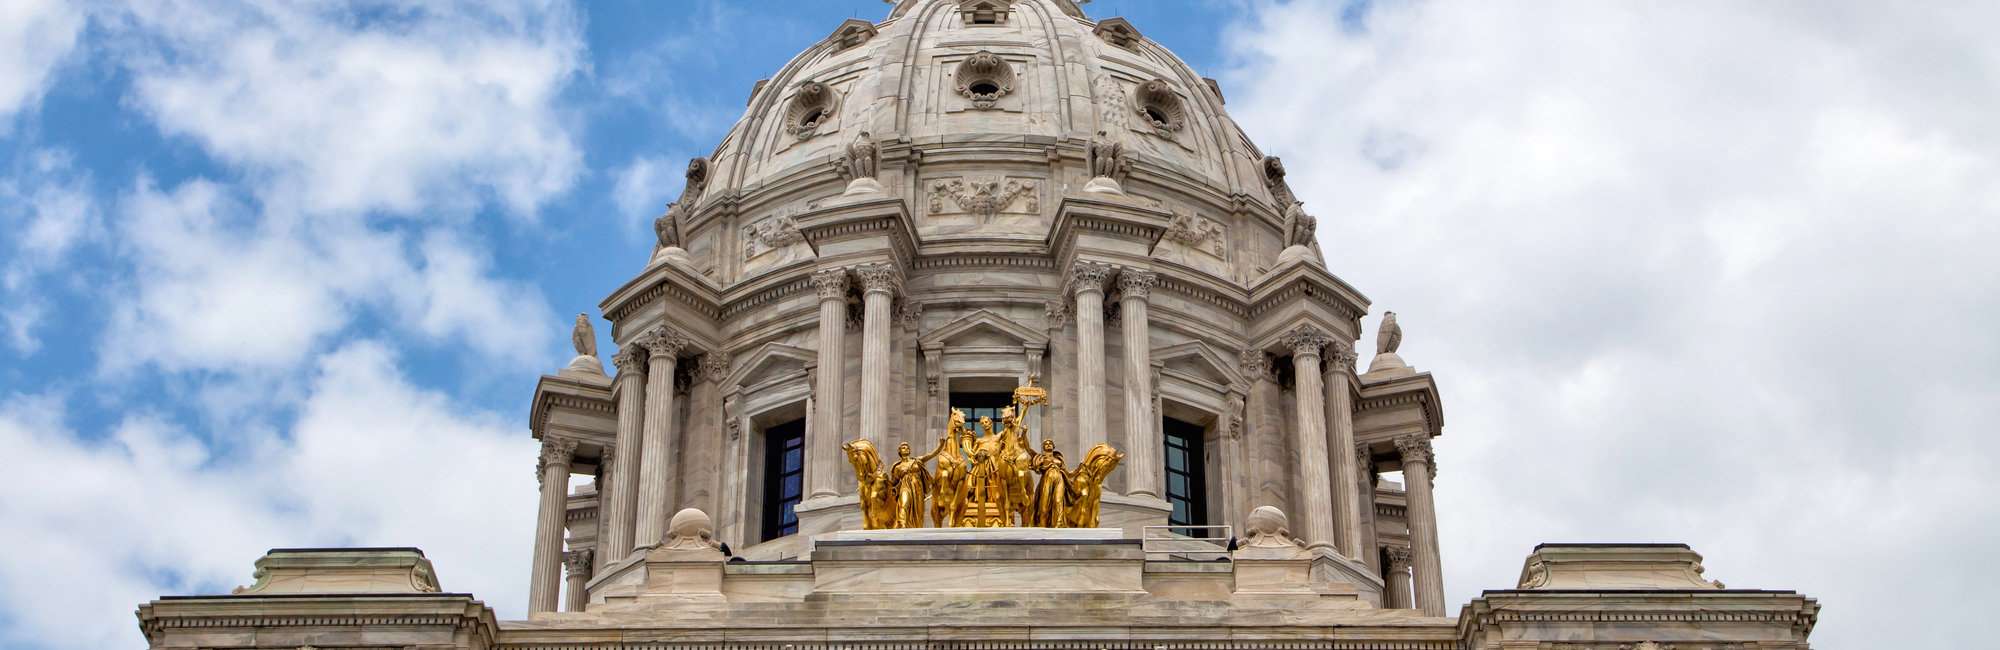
x=780 y=439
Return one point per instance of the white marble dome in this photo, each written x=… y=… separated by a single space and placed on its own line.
x=956 y=93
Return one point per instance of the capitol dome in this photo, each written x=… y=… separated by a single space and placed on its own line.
x=917 y=217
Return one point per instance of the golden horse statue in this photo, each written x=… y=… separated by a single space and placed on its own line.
x=877 y=497
x=1086 y=484
x=948 y=483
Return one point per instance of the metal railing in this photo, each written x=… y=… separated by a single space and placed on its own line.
x=1199 y=543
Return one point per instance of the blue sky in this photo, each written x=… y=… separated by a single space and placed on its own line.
x=280 y=275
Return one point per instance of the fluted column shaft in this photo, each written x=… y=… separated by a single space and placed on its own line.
x=823 y=437
x=878 y=285
x=545 y=577
x=1315 y=479
x=1426 y=568
x=656 y=449
x=622 y=503
x=1397 y=579
x=1087 y=281
x=1340 y=422
x=1144 y=452
x=577 y=564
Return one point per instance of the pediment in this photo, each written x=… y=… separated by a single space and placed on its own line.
x=771 y=361
x=1196 y=359
x=984 y=328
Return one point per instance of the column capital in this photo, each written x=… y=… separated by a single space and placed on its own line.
x=1134 y=283
x=630 y=359
x=577 y=563
x=714 y=366
x=1089 y=276
x=1339 y=356
x=664 y=341
x=1305 y=340
x=879 y=278
x=1416 y=448
x=1399 y=558
x=830 y=283
x=555 y=452
x=1256 y=365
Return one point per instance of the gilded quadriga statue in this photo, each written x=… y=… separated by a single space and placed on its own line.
x=989 y=479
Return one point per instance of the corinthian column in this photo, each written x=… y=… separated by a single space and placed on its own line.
x=577 y=563
x=1314 y=479
x=1142 y=449
x=879 y=283
x=656 y=451
x=1087 y=281
x=823 y=438
x=545 y=577
x=1427 y=570
x=624 y=485
x=1397 y=579
x=1340 y=423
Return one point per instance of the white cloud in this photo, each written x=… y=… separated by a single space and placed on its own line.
x=643 y=187
x=48 y=204
x=1715 y=273
x=36 y=36
x=411 y=108
x=219 y=286
x=97 y=526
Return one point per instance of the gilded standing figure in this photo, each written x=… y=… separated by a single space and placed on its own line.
x=1052 y=496
x=911 y=482
x=986 y=500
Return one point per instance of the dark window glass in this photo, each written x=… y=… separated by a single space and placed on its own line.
x=784 y=477
x=1185 y=476
x=978 y=405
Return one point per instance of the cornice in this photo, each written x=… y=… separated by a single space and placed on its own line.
x=664 y=279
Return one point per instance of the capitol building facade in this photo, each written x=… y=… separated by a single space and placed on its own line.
x=986 y=327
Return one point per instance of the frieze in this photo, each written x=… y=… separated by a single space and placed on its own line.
x=770 y=234
x=1197 y=233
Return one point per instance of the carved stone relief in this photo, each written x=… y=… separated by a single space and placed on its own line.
x=984 y=198
x=770 y=234
x=1197 y=233
x=984 y=78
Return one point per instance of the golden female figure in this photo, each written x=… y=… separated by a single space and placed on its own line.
x=1086 y=485
x=911 y=482
x=987 y=482
x=1052 y=496
x=948 y=486
x=877 y=503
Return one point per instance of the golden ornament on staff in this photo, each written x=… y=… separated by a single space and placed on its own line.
x=983 y=480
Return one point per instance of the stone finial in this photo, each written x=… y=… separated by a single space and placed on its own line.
x=691 y=530
x=1388 y=338
x=1108 y=164
x=1268 y=527
x=882 y=278
x=860 y=163
x=583 y=337
x=696 y=177
x=1305 y=340
x=667 y=228
x=830 y=283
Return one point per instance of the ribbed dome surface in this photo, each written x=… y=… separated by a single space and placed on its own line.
x=962 y=93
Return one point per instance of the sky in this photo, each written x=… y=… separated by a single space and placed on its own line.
x=283 y=274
